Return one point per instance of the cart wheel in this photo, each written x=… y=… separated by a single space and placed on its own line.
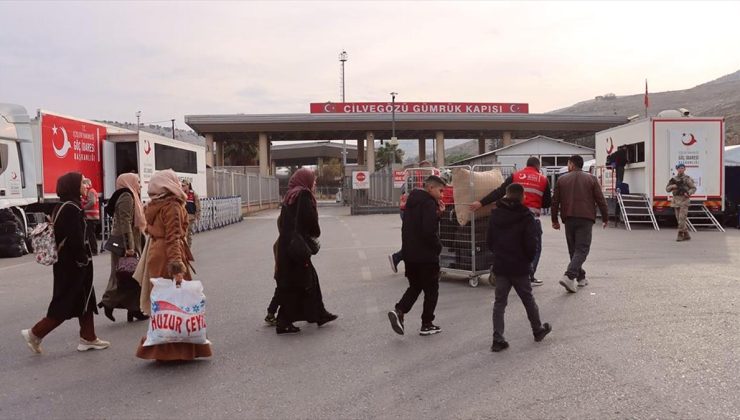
x=492 y=279
x=473 y=282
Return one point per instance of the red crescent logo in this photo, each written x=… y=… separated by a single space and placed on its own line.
x=691 y=141
x=147 y=147
x=522 y=176
x=13 y=175
x=610 y=145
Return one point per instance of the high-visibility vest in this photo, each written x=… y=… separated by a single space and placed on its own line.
x=94 y=211
x=534 y=184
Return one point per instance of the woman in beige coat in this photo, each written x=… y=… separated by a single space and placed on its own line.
x=129 y=222
x=168 y=256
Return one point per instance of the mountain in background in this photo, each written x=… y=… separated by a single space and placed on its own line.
x=718 y=98
x=188 y=136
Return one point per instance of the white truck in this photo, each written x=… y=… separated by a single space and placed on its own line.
x=655 y=145
x=35 y=152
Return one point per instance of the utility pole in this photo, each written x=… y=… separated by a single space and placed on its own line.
x=343 y=59
x=173 y=128
x=138 y=120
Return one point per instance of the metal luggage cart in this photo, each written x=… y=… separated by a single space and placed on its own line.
x=464 y=249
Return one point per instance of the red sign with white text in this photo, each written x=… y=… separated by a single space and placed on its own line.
x=69 y=145
x=419 y=108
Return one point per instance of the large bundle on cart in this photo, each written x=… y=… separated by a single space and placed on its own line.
x=473 y=186
x=463 y=235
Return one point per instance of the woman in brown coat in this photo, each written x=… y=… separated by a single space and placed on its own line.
x=168 y=255
x=128 y=221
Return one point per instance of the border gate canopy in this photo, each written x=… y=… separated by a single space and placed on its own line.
x=353 y=126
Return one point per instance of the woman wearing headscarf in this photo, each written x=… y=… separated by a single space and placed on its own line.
x=298 y=290
x=168 y=256
x=74 y=294
x=129 y=222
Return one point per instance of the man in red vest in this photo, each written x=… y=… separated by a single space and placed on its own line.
x=536 y=197
x=91 y=206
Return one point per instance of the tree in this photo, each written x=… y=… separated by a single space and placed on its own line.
x=388 y=153
x=330 y=173
x=457 y=157
x=240 y=153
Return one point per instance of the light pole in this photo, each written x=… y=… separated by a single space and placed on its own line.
x=343 y=59
x=394 y=140
x=138 y=120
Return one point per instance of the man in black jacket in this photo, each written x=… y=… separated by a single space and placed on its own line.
x=512 y=237
x=421 y=247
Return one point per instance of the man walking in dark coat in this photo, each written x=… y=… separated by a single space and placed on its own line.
x=577 y=194
x=421 y=247
x=512 y=237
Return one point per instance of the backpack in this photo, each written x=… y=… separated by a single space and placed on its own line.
x=44 y=242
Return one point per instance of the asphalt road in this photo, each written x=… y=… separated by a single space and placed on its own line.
x=656 y=334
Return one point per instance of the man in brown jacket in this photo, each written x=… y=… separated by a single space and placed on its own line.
x=577 y=194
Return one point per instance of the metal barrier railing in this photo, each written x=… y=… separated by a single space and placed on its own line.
x=215 y=213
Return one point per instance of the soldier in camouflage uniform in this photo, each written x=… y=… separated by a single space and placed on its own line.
x=682 y=187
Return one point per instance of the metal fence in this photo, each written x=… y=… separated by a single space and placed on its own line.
x=382 y=191
x=254 y=189
x=214 y=213
x=218 y=212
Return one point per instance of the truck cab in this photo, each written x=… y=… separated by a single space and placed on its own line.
x=18 y=185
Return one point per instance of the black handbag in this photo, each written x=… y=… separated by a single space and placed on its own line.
x=116 y=244
x=301 y=247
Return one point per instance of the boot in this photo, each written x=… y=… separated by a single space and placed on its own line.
x=686 y=236
x=680 y=237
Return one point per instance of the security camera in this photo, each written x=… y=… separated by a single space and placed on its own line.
x=685 y=112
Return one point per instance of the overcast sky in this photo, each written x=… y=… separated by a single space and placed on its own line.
x=106 y=60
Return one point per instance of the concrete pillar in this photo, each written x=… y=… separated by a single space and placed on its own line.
x=506 y=138
x=370 y=151
x=264 y=147
x=481 y=146
x=422 y=149
x=440 y=145
x=360 y=152
x=209 y=150
x=220 y=152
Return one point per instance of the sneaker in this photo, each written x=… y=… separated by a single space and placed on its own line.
x=396 y=319
x=271 y=320
x=583 y=282
x=571 y=285
x=429 y=329
x=542 y=332
x=97 y=344
x=536 y=282
x=394 y=260
x=33 y=342
x=497 y=346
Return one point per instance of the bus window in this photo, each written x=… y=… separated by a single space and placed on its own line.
x=179 y=160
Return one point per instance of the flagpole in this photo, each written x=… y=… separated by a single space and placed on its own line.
x=647 y=102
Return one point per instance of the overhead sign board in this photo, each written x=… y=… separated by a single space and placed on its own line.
x=419 y=108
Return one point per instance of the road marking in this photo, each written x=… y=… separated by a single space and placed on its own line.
x=366 y=274
x=362 y=254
